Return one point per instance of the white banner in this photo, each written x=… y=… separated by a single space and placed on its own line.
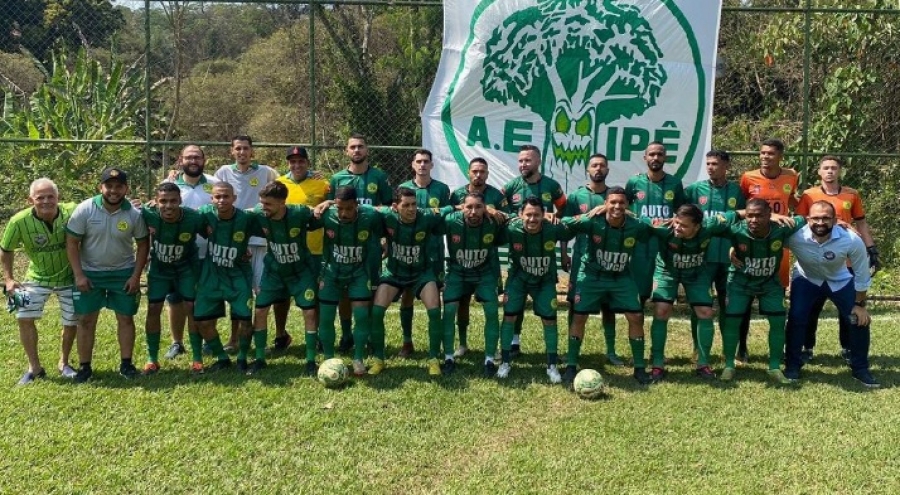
x=573 y=77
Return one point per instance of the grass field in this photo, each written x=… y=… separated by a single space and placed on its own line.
x=402 y=432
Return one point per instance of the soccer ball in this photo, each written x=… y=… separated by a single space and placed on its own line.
x=589 y=384
x=333 y=373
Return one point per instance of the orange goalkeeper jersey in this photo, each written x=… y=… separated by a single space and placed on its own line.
x=846 y=202
x=778 y=192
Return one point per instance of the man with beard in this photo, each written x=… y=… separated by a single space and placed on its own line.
x=100 y=240
x=848 y=206
x=493 y=198
x=532 y=183
x=173 y=266
x=372 y=189
x=822 y=253
x=40 y=231
x=581 y=201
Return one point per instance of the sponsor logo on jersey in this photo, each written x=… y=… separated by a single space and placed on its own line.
x=516 y=198
x=583 y=208
x=517 y=247
x=641 y=195
x=122 y=226
x=776 y=245
x=703 y=200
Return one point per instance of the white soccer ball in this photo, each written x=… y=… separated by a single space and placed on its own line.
x=589 y=384
x=333 y=373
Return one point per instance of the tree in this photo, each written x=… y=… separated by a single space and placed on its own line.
x=578 y=64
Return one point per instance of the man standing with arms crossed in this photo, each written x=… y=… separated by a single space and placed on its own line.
x=40 y=232
x=100 y=246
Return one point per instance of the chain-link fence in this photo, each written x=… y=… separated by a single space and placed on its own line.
x=89 y=83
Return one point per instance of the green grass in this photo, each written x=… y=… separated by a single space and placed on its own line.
x=402 y=432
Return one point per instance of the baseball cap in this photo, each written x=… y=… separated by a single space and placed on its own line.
x=113 y=173
x=297 y=151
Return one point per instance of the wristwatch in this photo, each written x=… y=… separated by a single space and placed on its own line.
x=861 y=304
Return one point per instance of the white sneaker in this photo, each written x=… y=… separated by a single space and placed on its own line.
x=553 y=374
x=460 y=351
x=503 y=370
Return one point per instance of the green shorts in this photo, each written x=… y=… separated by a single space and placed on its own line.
x=107 y=292
x=643 y=263
x=697 y=289
x=277 y=288
x=770 y=295
x=415 y=284
x=616 y=292
x=543 y=298
x=236 y=290
x=332 y=287
x=484 y=287
x=180 y=281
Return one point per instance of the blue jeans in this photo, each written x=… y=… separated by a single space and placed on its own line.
x=804 y=296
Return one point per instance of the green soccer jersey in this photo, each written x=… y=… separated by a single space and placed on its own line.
x=287 y=252
x=228 y=240
x=372 y=186
x=473 y=249
x=435 y=195
x=408 y=243
x=581 y=201
x=654 y=200
x=532 y=256
x=348 y=246
x=609 y=249
x=44 y=243
x=684 y=259
x=518 y=190
x=761 y=257
x=492 y=197
x=714 y=200
x=173 y=245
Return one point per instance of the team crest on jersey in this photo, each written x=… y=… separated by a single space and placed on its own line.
x=372 y=188
x=456 y=239
x=742 y=247
x=704 y=244
x=488 y=238
x=433 y=202
x=546 y=197
x=776 y=245
x=549 y=245
x=703 y=200
x=254 y=182
x=629 y=242
x=294 y=232
x=517 y=247
x=329 y=233
x=309 y=294
x=597 y=239
x=184 y=236
x=829 y=255
x=207 y=188
x=39 y=239
x=583 y=208
x=732 y=202
x=847 y=205
x=420 y=236
x=122 y=226
x=786 y=188
x=641 y=195
x=516 y=198
x=363 y=235
x=670 y=195
x=238 y=237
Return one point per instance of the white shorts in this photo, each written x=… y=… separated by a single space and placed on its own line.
x=39 y=296
x=257 y=260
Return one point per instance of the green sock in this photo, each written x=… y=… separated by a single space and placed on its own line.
x=311 y=340
x=551 y=338
x=574 y=351
x=637 y=351
x=463 y=326
x=658 y=330
x=347 y=328
x=327 y=313
x=406 y=323
x=730 y=335
x=360 y=331
x=436 y=334
x=519 y=321
x=153 y=346
x=491 y=324
x=260 y=337
x=377 y=333
x=776 y=341
x=609 y=335
x=196 y=346
x=705 y=334
x=243 y=347
x=695 y=337
x=215 y=345
x=507 y=329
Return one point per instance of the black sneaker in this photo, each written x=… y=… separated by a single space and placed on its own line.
x=312 y=369
x=792 y=374
x=640 y=374
x=30 y=377
x=128 y=371
x=866 y=379
x=448 y=367
x=806 y=355
x=346 y=344
x=281 y=344
x=242 y=366
x=515 y=351
x=222 y=364
x=83 y=375
x=657 y=374
x=568 y=376
x=490 y=369
x=256 y=367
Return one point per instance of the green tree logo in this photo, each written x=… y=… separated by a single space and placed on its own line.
x=578 y=64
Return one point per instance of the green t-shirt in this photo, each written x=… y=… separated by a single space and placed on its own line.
x=44 y=243
x=532 y=257
x=173 y=245
x=408 y=243
x=287 y=252
x=761 y=257
x=579 y=202
x=684 y=258
x=348 y=246
x=492 y=197
x=609 y=249
x=228 y=241
x=372 y=186
x=435 y=195
x=518 y=190
x=654 y=200
x=713 y=201
x=473 y=249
